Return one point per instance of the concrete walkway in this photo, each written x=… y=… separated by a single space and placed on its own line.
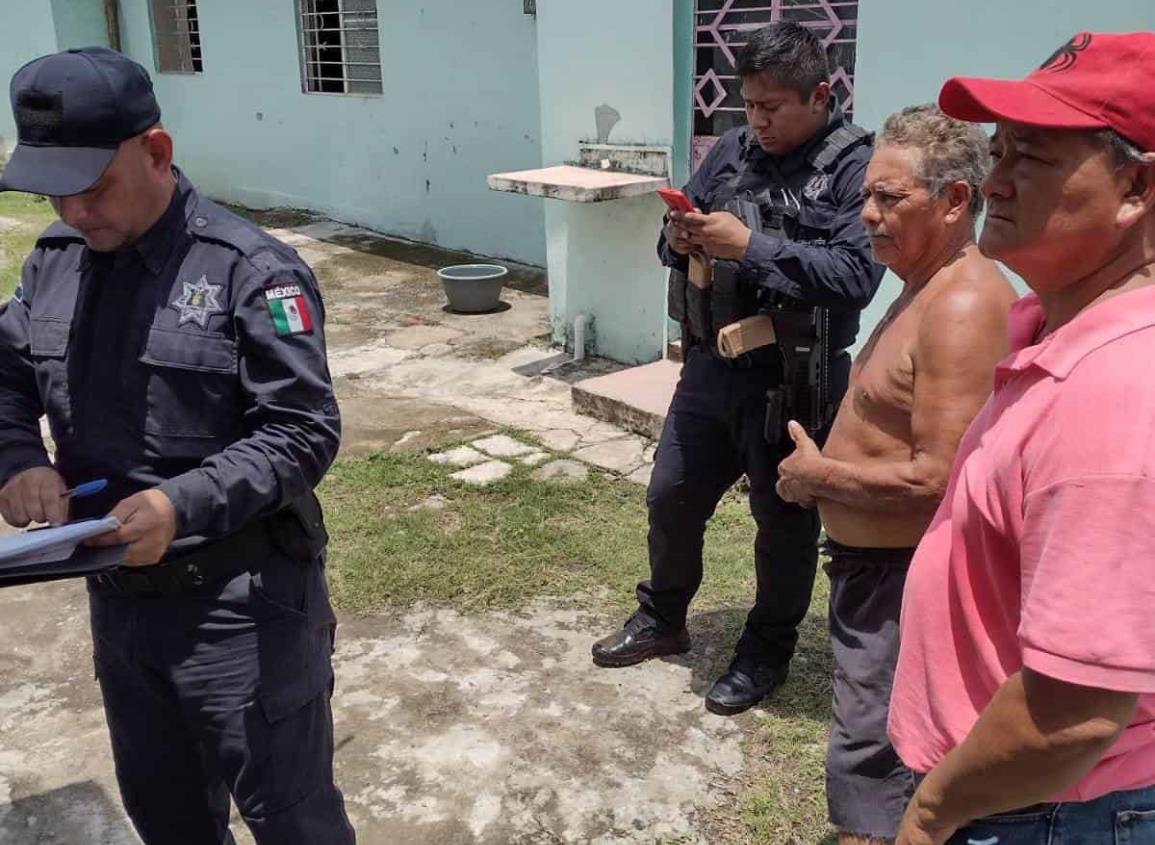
x=487 y=729
x=463 y=730
x=391 y=337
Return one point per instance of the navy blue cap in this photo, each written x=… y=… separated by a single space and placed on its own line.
x=73 y=109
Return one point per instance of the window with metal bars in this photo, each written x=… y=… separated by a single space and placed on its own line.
x=721 y=30
x=176 y=33
x=340 y=47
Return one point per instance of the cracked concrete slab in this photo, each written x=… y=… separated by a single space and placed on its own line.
x=499 y=730
x=484 y=474
x=503 y=446
x=372 y=424
x=622 y=455
x=562 y=470
x=451 y=728
x=642 y=475
x=462 y=456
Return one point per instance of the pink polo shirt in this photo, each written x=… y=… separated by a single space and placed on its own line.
x=1042 y=553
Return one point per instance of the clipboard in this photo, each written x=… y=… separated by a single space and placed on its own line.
x=49 y=554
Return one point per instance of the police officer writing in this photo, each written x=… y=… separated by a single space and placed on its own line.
x=779 y=235
x=178 y=352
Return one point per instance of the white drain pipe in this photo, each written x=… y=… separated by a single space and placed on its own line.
x=579 y=336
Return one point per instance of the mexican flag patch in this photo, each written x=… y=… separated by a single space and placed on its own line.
x=289 y=310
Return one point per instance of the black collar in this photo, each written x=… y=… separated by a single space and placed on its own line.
x=154 y=246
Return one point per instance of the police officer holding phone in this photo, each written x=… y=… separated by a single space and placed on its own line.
x=178 y=352
x=779 y=226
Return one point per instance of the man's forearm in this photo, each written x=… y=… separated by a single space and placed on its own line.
x=1015 y=756
x=875 y=487
x=836 y=275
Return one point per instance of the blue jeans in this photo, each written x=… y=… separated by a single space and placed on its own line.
x=1120 y=818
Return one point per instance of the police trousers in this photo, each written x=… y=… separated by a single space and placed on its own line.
x=714 y=432
x=219 y=692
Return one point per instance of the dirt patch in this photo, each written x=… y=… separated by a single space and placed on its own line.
x=471 y=730
x=522 y=277
x=384 y=424
x=275 y=218
x=498 y=729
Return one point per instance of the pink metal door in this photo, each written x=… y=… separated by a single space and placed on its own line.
x=719 y=33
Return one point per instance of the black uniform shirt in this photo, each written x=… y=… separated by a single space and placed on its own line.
x=193 y=360
x=830 y=263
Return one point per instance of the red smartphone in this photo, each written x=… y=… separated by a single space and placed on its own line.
x=675 y=200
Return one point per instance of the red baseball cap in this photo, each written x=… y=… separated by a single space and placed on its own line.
x=1097 y=80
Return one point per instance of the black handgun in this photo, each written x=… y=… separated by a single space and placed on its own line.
x=804 y=341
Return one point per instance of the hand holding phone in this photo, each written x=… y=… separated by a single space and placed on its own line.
x=675 y=199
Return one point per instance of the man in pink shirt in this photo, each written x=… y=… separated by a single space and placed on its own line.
x=1027 y=667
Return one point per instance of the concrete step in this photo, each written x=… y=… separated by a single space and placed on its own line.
x=635 y=399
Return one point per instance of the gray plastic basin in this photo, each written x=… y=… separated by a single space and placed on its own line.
x=473 y=288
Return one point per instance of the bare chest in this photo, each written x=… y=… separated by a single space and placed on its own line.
x=882 y=379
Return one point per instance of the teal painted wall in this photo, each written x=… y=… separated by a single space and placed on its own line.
x=27 y=30
x=460 y=101
x=80 y=23
x=32 y=28
x=908 y=48
x=601 y=255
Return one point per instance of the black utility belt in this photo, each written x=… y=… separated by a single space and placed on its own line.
x=208 y=563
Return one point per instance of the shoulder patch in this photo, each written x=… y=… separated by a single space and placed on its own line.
x=288 y=308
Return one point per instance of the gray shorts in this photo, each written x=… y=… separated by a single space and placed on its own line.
x=867 y=786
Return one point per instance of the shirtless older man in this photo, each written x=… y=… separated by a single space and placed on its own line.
x=914 y=389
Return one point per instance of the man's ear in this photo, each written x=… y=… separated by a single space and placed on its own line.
x=820 y=97
x=1138 y=191
x=958 y=196
x=159 y=148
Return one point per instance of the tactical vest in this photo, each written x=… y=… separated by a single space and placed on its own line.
x=775 y=207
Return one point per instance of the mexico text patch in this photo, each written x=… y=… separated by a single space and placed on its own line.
x=289 y=309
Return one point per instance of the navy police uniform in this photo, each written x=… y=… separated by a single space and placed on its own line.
x=194 y=361
x=813 y=252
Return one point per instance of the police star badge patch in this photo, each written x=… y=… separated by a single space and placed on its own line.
x=197 y=302
x=816 y=186
x=289 y=309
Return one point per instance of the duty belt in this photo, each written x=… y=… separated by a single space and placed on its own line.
x=208 y=563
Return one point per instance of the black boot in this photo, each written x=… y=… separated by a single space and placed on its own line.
x=743 y=685
x=640 y=639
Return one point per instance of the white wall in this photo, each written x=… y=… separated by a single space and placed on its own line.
x=460 y=101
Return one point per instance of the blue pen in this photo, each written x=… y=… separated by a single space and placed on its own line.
x=88 y=488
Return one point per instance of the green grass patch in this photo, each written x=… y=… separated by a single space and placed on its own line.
x=519 y=539
x=506 y=544
x=34 y=213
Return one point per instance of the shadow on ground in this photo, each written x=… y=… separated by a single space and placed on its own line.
x=71 y=815
x=806 y=692
x=522 y=277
